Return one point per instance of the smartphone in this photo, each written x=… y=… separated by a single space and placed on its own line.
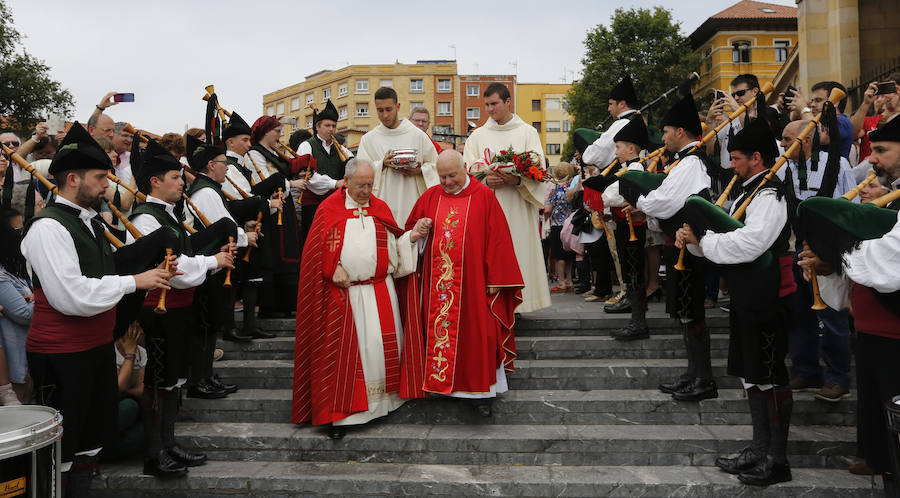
x=123 y=97
x=720 y=94
x=886 y=88
x=790 y=92
x=55 y=124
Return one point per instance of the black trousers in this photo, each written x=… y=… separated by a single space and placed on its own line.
x=82 y=386
x=602 y=263
x=877 y=381
x=211 y=303
x=685 y=290
x=631 y=254
x=167 y=339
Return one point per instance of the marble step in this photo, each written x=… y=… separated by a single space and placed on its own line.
x=530 y=374
x=294 y=479
x=616 y=406
x=487 y=444
x=573 y=324
x=528 y=348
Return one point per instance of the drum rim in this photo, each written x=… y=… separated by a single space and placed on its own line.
x=33 y=437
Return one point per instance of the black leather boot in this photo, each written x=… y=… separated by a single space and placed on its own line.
x=186 y=458
x=750 y=456
x=204 y=390
x=637 y=328
x=164 y=466
x=687 y=377
x=767 y=472
x=216 y=382
x=622 y=306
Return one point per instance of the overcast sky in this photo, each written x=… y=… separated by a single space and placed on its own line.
x=166 y=51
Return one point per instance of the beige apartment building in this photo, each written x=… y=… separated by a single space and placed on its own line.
x=433 y=85
x=543 y=105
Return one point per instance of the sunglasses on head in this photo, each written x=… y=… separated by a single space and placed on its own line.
x=14 y=143
x=740 y=93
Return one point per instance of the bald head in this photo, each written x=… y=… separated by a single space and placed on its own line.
x=452 y=171
x=105 y=127
x=789 y=135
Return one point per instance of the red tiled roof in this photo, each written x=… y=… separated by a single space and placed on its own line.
x=748 y=9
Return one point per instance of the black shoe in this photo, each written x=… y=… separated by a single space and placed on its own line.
x=621 y=306
x=186 y=458
x=767 y=472
x=697 y=390
x=204 y=390
x=743 y=462
x=674 y=386
x=336 y=432
x=581 y=289
x=164 y=467
x=632 y=332
x=231 y=334
x=217 y=383
x=259 y=333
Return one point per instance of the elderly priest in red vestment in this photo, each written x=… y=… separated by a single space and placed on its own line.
x=353 y=361
x=472 y=285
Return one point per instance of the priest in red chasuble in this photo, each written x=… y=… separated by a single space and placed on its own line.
x=353 y=361
x=471 y=287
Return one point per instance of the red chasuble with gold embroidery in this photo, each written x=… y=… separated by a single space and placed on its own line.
x=469 y=334
x=329 y=384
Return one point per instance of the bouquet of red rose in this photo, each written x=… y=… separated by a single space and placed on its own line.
x=522 y=164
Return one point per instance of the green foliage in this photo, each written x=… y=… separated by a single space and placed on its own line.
x=648 y=45
x=27 y=92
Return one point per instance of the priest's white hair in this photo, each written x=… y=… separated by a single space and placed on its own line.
x=354 y=163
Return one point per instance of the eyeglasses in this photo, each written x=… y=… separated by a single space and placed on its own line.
x=13 y=143
x=740 y=93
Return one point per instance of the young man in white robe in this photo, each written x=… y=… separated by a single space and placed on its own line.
x=399 y=185
x=520 y=198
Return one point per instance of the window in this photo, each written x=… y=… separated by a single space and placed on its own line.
x=342 y=113
x=310 y=98
x=443 y=86
x=567 y=126
x=536 y=124
x=781 y=50
x=472 y=90
x=362 y=110
x=270 y=111
x=553 y=104
x=444 y=109
x=552 y=149
x=362 y=86
x=342 y=90
x=413 y=105
x=309 y=122
x=553 y=126
x=280 y=108
x=740 y=51
x=473 y=112
x=535 y=105
x=386 y=83
x=295 y=103
x=707 y=60
x=326 y=94
x=415 y=86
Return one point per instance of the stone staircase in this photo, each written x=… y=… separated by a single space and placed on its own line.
x=583 y=418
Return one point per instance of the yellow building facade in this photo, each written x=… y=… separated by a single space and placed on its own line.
x=433 y=85
x=748 y=37
x=543 y=106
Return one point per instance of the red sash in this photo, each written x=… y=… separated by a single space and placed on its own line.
x=54 y=332
x=870 y=316
x=175 y=298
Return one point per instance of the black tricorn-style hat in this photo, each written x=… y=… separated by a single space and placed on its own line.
x=635 y=132
x=236 y=126
x=199 y=154
x=888 y=132
x=624 y=90
x=79 y=150
x=757 y=136
x=683 y=114
x=155 y=160
x=330 y=112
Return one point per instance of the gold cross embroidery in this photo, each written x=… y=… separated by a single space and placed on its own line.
x=333 y=240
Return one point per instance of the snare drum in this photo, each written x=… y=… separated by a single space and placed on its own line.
x=30 y=449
